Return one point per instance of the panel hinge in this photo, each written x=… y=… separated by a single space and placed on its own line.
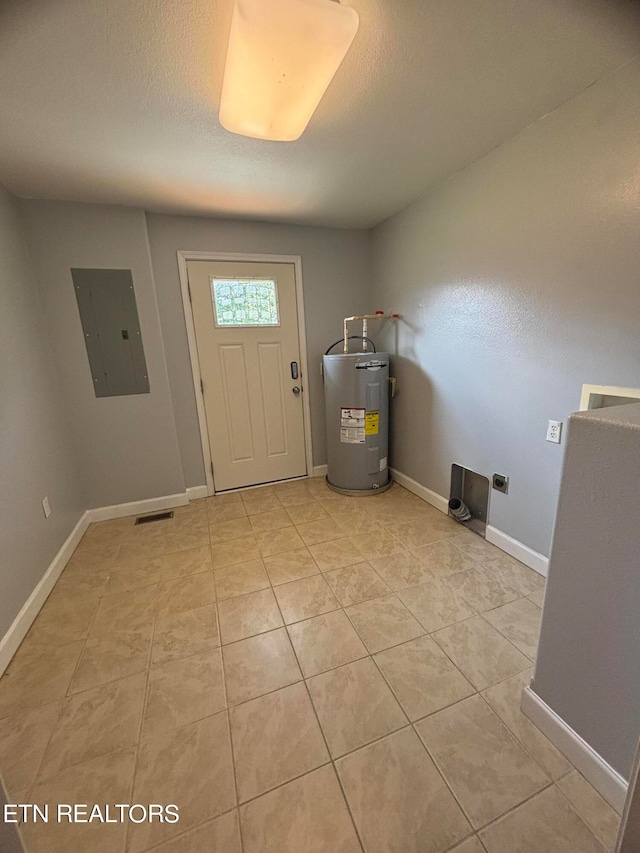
x=202 y=386
x=189 y=292
x=211 y=463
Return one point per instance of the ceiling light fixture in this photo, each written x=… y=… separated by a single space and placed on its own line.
x=281 y=58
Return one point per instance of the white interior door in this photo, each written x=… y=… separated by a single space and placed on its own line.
x=246 y=323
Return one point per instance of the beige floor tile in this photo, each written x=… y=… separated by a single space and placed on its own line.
x=336 y=554
x=402 y=570
x=190 y=515
x=139 y=536
x=325 y=642
x=444 y=559
x=248 y=615
x=255 y=503
x=519 y=622
x=37 y=675
x=306 y=512
x=183 y=691
x=185 y=537
x=323 y=530
x=293 y=498
x=191 y=767
x=475 y=546
x=128 y=573
x=95 y=723
x=179 y=635
x=354 y=584
x=435 y=604
x=225 y=512
x=481 y=589
x=308 y=814
x=471 y=845
x=23 y=740
x=305 y=598
x=354 y=706
x=480 y=652
x=104 y=780
x=505 y=699
x=290 y=566
x=398 y=799
x=279 y=541
x=97 y=553
x=64 y=618
x=237 y=551
x=356 y=522
x=422 y=677
x=488 y=770
x=275 y=738
x=183 y=563
x=109 y=657
x=515 y=574
x=383 y=622
x=544 y=823
x=377 y=543
x=125 y=611
x=241 y=579
x=276 y=519
x=221 y=835
x=79 y=579
x=259 y=665
x=415 y=534
x=537 y=597
x=187 y=593
x=595 y=811
x=226 y=531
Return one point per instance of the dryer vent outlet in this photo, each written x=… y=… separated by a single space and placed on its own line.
x=469 y=499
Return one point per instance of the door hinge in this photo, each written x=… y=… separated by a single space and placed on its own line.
x=211 y=463
x=202 y=386
x=189 y=292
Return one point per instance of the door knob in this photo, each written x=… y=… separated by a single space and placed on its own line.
x=295 y=389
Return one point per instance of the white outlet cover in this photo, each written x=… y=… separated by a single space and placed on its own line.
x=46 y=507
x=554 y=431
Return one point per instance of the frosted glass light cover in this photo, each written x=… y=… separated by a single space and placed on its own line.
x=282 y=55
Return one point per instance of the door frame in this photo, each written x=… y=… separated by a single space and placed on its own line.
x=183 y=257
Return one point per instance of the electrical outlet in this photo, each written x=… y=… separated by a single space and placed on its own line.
x=554 y=431
x=501 y=483
x=46 y=507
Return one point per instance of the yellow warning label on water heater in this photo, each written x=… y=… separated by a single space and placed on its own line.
x=371 y=422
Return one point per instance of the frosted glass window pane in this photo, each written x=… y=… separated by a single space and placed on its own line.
x=245 y=302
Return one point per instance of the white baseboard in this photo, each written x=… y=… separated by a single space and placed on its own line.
x=25 y=618
x=421 y=491
x=105 y=513
x=319 y=470
x=501 y=540
x=607 y=781
x=538 y=562
x=194 y=493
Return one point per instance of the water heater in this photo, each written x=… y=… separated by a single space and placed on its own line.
x=356 y=392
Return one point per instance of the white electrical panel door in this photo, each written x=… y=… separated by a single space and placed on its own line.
x=246 y=323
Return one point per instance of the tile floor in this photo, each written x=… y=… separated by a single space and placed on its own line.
x=297 y=671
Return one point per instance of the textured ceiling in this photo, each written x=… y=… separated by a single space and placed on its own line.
x=116 y=101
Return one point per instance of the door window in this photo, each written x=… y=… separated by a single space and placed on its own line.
x=245 y=302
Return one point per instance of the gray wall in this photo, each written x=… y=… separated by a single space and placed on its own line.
x=126 y=446
x=36 y=456
x=518 y=282
x=335 y=269
x=587 y=664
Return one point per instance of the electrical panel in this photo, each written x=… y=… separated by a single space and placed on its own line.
x=109 y=316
